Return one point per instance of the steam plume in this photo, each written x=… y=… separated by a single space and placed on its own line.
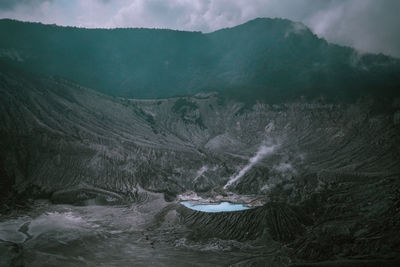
x=263 y=151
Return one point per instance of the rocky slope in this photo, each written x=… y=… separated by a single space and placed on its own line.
x=328 y=173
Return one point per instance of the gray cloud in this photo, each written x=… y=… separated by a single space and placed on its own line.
x=368 y=25
x=10 y=4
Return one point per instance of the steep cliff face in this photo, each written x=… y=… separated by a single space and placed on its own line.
x=56 y=134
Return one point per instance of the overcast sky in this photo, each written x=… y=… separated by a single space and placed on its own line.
x=368 y=25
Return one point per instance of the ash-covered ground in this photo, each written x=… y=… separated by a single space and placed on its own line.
x=89 y=179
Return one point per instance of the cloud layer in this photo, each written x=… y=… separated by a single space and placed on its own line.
x=368 y=25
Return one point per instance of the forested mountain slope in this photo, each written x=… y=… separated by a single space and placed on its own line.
x=273 y=60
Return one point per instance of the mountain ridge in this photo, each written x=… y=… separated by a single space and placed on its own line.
x=272 y=60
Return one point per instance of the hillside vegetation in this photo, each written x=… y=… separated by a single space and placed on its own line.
x=273 y=60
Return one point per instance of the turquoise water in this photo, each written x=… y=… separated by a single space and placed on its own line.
x=223 y=206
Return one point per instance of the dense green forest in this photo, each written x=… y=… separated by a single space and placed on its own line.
x=271 y=60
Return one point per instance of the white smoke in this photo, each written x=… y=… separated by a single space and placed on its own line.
x=283 y=171
x=296 y=28
x=262 y=152
x=283 y=167
x=200 y=173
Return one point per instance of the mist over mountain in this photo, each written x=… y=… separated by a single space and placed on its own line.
x=273 y=60
x=103 y=134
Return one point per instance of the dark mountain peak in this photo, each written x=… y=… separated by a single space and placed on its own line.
x=268 y=21
x=263 y=59
x=271 y=24
x=260 y=25
x=265 y=31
